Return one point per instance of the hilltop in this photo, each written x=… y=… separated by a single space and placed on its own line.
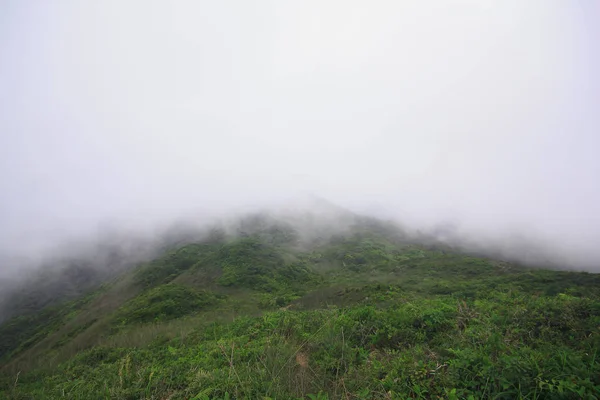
x=318 y=304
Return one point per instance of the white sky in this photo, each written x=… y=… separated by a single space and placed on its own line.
x=481 y=112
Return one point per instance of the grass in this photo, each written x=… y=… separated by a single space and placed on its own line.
x=163 y=303
x=359 y=317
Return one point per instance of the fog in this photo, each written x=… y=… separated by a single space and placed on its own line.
x=474 y=114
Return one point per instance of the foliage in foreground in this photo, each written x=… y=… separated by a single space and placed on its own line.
x=506 y=346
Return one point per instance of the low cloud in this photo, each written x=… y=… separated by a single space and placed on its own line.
x=477 y=115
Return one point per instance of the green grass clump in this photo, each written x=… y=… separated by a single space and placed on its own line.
x=163 y=303
x=22 y=332
x=359 y=253
x=251 y=263
x=169 y=266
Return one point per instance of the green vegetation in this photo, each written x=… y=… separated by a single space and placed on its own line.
x=163 y=303
x=22 y=332
x=168 y=267
x=361 y=316
x=249 y=263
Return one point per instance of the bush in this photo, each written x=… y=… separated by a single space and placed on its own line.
x=163 y=303
x=169 y=266
x=252 y=264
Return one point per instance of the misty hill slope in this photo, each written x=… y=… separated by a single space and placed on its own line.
x=274 y=306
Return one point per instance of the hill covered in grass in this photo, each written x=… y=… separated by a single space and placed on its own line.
x=311 y=308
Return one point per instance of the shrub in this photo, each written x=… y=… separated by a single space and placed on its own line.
x=163 y=303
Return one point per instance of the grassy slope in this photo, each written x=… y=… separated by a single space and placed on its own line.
x=355 y=317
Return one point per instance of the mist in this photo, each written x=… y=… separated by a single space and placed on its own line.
x=476 y=115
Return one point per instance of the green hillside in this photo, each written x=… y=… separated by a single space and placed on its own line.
x=362 y=314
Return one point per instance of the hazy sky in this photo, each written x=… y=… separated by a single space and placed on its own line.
x=482 y=112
